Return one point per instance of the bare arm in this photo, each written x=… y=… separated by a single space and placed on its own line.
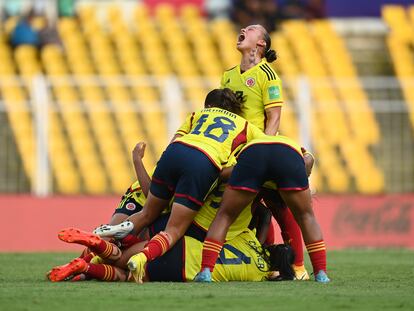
x=272 y=120
x=226 y=173
x=142 y=175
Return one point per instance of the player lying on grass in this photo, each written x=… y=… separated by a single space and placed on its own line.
x=208 y=211
x=241 y=259
x=274 y=159
x=189 y=168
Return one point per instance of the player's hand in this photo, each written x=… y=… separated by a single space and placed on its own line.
x=139 y=151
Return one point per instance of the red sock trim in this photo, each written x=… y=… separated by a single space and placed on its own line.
x=157 y=246
x=101 y=272
x=104 y=249
x=211 y=251
x=317 y=254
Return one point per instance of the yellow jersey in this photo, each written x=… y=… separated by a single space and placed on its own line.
x=239 y=259
x=217 y=133
x=261 y=88
x=134 y=192
x=208 y=211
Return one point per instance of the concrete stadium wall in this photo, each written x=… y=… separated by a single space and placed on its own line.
x=31 y=224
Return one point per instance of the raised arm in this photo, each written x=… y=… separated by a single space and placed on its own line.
x=142 y=174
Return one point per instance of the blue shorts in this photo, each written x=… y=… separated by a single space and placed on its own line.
x=170 y=267
x=260 y=163
x=185 y=173
x=128 y=204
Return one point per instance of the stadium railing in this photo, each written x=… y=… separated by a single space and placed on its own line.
x=73 y=135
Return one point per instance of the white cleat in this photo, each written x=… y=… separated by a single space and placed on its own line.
x=116 y=231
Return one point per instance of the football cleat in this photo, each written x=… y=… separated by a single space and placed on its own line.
x=54 y=268
x=73 y=235
x=76 y=266
x=136 y=266
x=203 y=276
x=321 y=277
x=117 y=231
x=301 y=274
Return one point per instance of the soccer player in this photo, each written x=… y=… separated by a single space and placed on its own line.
x=261 y=89
x=269 y=159
x=255 y=81
x=241 y=259
x=188 y=169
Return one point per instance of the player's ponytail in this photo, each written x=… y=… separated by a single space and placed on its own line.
x=269 y=54
x=224 y=99
x=280 y=258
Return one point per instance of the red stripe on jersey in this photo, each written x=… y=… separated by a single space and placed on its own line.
x=191 y=120
x=241 y=138
x=181 y=195
x=243 y=188
x=199 y=226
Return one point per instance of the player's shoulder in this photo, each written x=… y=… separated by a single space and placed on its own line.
x=230 y=69
x=266 y=70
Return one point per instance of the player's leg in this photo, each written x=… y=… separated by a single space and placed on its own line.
x=197 y=175
x=97 y=245
x=290 y=229
x=178 y=223
x=289 y=173
x=79 y=266
x=128 y=253
x=232 y=204
x=300 y=202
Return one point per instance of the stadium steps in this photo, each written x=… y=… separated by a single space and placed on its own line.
x=371 y=56
x=13 y=178
x=400 y=46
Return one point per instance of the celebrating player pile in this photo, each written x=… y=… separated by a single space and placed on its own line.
x=189 y=178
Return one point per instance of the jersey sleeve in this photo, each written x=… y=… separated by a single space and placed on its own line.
x=186 y=126
x=272 y=93
x=253 y=132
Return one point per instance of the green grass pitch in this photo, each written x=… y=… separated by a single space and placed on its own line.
x=361 y=280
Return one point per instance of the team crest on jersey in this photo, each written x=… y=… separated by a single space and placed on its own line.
x=130 y=206
x=250 y=82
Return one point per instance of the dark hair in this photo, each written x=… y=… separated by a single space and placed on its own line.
x=269 y=54
x=280 y=258
x=224 y=99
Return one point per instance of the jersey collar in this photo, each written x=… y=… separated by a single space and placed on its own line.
x=251 y=68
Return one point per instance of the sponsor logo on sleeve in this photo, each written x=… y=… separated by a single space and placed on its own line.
x=274 y=92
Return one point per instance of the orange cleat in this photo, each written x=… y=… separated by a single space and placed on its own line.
x=60 y=273
x=73 y=235
x=53 y=269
